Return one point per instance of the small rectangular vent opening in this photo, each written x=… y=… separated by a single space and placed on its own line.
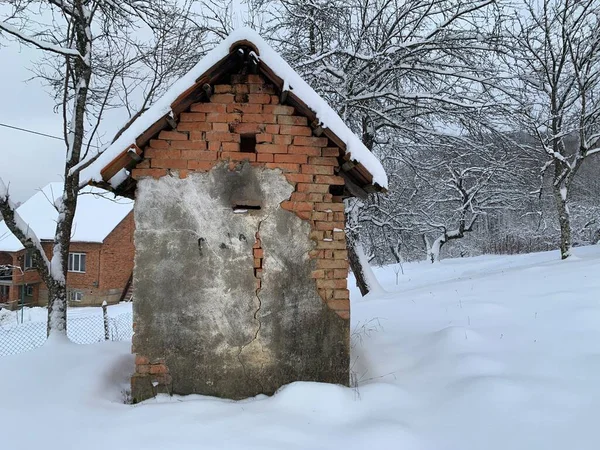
x=248 y=143
x=243 y=209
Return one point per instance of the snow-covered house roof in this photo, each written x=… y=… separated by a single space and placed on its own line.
x=362 y=167
x=98 y=213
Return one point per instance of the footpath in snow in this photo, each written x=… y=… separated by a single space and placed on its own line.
x=493 y=352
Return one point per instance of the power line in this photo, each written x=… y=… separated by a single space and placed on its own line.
x=36 y=132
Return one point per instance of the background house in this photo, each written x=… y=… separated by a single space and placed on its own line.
x=101 y=253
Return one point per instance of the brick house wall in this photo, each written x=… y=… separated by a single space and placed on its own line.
x=208 y=133
x=108 y=267
x=214 y=131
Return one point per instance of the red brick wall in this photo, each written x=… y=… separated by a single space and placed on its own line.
x=116 y=257
x=211 y=132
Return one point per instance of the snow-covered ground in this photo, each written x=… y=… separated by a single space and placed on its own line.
x=490 y=353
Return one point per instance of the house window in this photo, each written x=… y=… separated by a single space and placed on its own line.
x=29 y=291
x=28 y=261
x=77 y=262
x=75 y=296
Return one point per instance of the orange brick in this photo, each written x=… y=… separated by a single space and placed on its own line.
x=295 y=130
x=264 y=99
x=329 y=179
x=218 y=126
x=304 y=215
x=299 y=178
x=317 y=170
x=311 y=187
x=341 y=254
x=142 y=369
x=258 y=253
x=263 y=138
x=230 y=147
x=318 y=273
x=285 y=158
x=309 y=151
x=140 y=360
x=159 y=144
x=340 y=273
x=173 y=136
x=251 y=108
x=158 y=369
x=254 y=79
x=223 y=88
x=299 y=197
x=271 y=148
x=214 y=146
x=223 y=117
x=330 y=207
x=327 y=225
x=292 y=120
x=323 y=161
x=208 y=107
x=344 y=314
x=145 y=164
x=199 y=155
x=272 y=129
x=157 y=163
x=259 y=118
x=339 y=303
x=202 y=166
x=331 y=151
x=192 y=117
x=275 y=99
x=285 y=167
x=331 y=264
x=282 y=139
x=261 y=89
x=239 y=156
x=188 y=145
x=331 y=245
x=240 y=88
x=279 y=110
x=341 y=294
x=318 y=215
x=221 y=98
x=264 y=157
x=313 y=197
x=170 y=154
x=247 y=128
x=194 y=126
x=311 y=141
x=222 y=137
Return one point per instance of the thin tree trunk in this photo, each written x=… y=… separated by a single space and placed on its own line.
x=357 y=268
x=564 y=220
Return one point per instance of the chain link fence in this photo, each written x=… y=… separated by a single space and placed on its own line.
x=22 y=337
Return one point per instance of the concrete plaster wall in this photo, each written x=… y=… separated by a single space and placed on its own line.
x=197 y=308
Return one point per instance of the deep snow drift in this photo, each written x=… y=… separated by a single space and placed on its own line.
x=475 y=353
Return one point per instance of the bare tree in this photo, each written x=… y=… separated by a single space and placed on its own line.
x=397 y=71
x=557 y=68
x=98 y=55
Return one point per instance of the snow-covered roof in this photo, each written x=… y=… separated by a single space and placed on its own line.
x=291 y=80
x=96 y=216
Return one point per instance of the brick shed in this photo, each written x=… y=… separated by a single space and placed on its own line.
x=239 y=174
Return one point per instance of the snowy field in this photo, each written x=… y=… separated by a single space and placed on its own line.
x=491 y=353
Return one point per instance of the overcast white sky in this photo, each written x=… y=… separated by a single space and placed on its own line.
x=27 y=162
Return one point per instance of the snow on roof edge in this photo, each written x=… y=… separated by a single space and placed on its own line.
x=325 y=114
